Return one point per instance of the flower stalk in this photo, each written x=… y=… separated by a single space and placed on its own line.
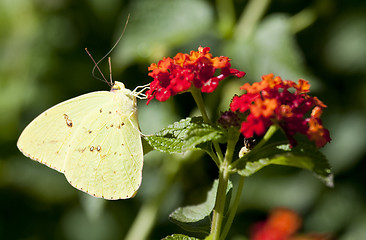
x=224 y=170
x=233 y=209
x=224 y=175
x=197 y=96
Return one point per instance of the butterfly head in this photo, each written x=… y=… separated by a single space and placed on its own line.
x=117 y=86
x=138 y=92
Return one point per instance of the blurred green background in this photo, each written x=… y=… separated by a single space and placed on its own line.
x=43 y=62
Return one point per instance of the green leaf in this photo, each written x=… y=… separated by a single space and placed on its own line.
x=179 y=237
x=305 y=156
x=200 y=133
x=171 y=139
x=197 y=218
x=146 y=147
x=187 y=134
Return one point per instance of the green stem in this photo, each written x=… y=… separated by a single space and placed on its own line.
x=309 y=15
x=253 y=12
x=214 y=158
x=197 y=96
x=218 y=214
x=233 y=208
x=302 y=20
x=224 y=175
x=271 y=130
x=218 y=152
x=235 y=205
x=145 y=220
x=225 y=171
x=148 y=213
x=226 y=16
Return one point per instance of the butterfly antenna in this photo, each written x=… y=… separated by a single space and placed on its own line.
x=95 y=66
x=114 y=46
x=110 y=70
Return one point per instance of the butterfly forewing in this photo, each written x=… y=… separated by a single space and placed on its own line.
x=46 y=138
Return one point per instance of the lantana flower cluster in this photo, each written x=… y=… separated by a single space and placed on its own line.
x=282 y=224
x=180 y=73
x=281 y=102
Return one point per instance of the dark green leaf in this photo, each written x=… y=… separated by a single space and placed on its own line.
x=171 y=139
x=197 y=218
x=187 y=134
x=201 y=133
x=179 y=237
x=305 y=156
x=146 y=146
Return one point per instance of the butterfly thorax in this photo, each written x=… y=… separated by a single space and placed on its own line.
x=124 y=97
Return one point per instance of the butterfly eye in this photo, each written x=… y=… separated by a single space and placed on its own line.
x=115 y=88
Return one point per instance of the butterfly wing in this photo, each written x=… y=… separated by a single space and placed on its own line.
x=45 y=138
x=75 y=137
x=105 y=157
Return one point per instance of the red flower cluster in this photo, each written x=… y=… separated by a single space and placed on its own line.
x=282 y=102
x=281 y=225
x=178 y=74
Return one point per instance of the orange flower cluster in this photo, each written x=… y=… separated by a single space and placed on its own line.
x=281 y=225
x=282 y=102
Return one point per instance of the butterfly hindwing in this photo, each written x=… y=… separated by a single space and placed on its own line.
x=110 y=146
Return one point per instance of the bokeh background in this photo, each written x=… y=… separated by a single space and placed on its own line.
x=43 y=62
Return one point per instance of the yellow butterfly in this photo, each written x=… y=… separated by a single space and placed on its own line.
x=93 y=139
